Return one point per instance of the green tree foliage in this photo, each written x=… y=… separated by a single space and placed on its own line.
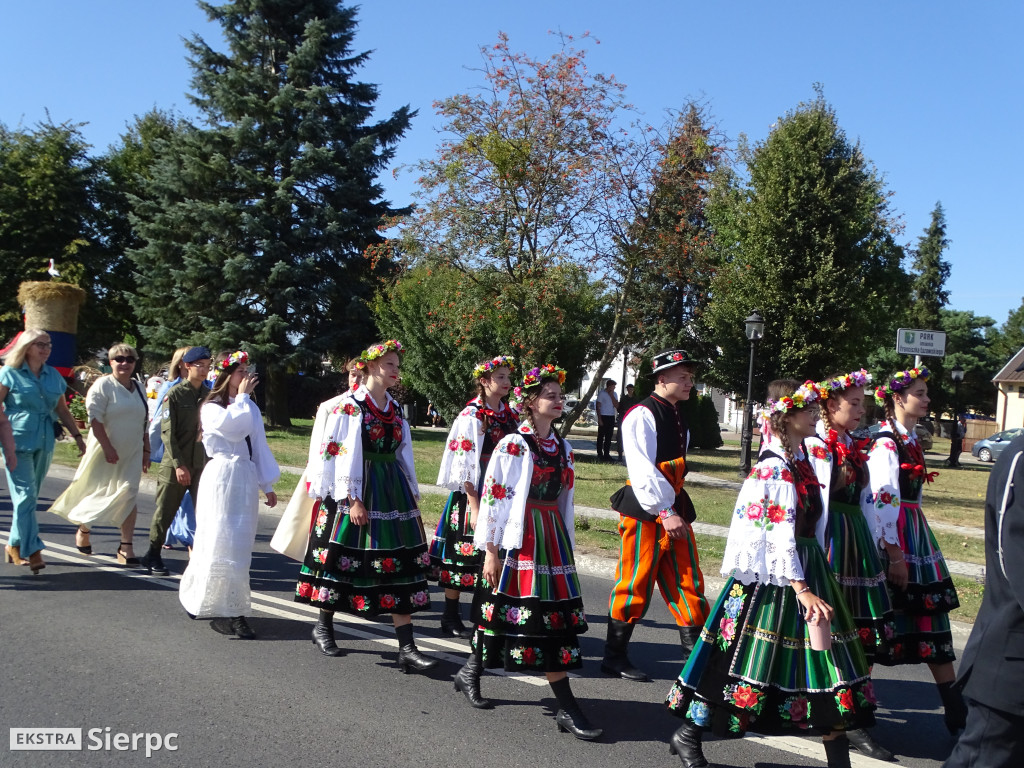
x=809 y=241
x=255 y=224
x=971 y=344
x=50 y=209
x=673 y=231
x=1010 y=338
x=450 y=322
x=537 y=175
x=931 y=272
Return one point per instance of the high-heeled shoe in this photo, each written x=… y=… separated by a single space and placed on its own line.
x=577 y=724
x=35 y=562
x=122 y=558
x=87 y=548
x=409 y=657
x=14 y=555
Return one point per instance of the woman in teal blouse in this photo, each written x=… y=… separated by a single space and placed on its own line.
x=32 y=394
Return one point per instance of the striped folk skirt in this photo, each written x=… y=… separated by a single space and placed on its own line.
x=380 y=567
x=922 y=631
x=753 y=667
x=454 y=561
x=853 y=555
x=531 y=619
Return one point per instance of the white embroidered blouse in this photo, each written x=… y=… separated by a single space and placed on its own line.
x=881 y=503
x=762 y=536
x=506 y=488
x=336 y=470
x=460 y=463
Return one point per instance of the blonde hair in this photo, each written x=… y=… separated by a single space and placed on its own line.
x=16 y=357
x=122 y=349
x=175 y=370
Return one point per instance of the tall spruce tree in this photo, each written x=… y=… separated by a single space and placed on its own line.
x=931 y=272
x=255 y=223
x=809 y=241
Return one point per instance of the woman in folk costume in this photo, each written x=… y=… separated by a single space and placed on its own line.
x=216 y=581
x=527 y=609
x=484 y=421
x=367 y=553
x=754 y=667
x=841 y=469
x=920 y=586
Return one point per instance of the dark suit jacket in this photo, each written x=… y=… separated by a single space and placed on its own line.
x=992 y=668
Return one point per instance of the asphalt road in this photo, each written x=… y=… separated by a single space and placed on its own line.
x=93 y=645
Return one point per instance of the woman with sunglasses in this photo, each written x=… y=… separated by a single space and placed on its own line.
x=32 y=394
x=106 y=484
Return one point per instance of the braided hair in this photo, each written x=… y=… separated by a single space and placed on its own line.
x=777 y=421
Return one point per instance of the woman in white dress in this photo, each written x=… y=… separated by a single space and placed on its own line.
x=106 y=484
x=216 y=582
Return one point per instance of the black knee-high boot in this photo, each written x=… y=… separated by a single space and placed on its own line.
x=837 y=752
x=451 y=620
x=686 y=743
x=953 y=704
x=570 y=717
x=468 y=680
x=323 y=634
x=408 y=654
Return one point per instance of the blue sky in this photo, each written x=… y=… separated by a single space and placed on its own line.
x=932 y=90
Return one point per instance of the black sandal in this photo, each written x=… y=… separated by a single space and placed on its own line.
x=87 y=549
x=122 y=558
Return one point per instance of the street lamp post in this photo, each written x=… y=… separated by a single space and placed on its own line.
x=754 y=326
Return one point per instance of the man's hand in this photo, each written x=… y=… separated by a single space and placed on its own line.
x=674 y=526
x=183 y=476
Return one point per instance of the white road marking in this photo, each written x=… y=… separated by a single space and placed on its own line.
x=273 y=605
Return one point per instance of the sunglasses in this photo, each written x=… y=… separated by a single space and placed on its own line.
x=123 y=359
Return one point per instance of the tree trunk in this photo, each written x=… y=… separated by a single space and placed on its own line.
x=276 y=410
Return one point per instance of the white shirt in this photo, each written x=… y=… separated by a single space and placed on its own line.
x=605 y=403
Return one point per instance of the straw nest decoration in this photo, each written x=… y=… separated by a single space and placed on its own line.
x=51 y=306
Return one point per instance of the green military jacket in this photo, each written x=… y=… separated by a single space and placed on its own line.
x=180 y=429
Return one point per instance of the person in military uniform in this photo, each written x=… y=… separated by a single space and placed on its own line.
x=184 y=456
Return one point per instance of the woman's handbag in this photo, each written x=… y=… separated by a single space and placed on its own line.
x=292 y=534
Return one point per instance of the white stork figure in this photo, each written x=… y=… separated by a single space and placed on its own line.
x=53 y=270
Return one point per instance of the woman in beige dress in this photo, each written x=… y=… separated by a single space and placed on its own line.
x=106 y=484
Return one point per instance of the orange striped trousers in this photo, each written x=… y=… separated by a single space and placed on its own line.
x=648 y=555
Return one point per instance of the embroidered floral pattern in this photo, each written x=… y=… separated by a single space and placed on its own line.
x=420 y=598
x=511 y=614
x=568 y=655
x=512 y=448
x=844 y=700
x=487 y=611
x=699 y=713
x=388 y=602
x=386 y=565
x=321 y=522
x=884 y=499
x=819 y=452
x=461 y=445
x=346 y=564
x=796 y=710
x=771 y=473
x=320 y=555
x=765 y=513
x=495 y=492
x=466 y=548
x=554 y=620
x=528 y=655
x=744 y=696
x=332 y=449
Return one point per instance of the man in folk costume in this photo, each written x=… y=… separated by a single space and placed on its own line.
x=655 y=514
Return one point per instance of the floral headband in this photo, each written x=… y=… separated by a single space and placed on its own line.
x=235 y=358
x=900 y=381
x=379 y=350
x=501 y=361
x=806 y=394
x=541 y=374
x=859 y=378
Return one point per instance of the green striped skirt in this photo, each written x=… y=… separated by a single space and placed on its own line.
x=753 y=667
x=380 y=567
x=853 y=555
x=455 y=561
